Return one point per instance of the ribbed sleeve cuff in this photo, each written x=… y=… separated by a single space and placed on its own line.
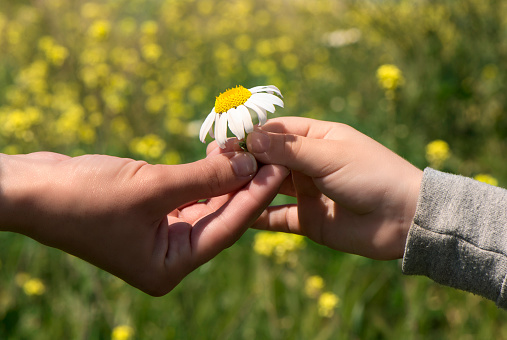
x=459 y=235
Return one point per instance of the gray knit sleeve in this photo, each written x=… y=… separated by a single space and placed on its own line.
x=459 y=235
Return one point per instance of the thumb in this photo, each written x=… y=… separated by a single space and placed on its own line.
x=212 y=176
x=309 y=156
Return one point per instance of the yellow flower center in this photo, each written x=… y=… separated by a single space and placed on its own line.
x=231 y=98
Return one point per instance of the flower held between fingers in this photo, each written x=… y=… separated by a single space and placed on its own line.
x=232 y=108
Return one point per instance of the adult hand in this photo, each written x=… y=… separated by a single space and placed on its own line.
x=138 y=221
x=353 y=194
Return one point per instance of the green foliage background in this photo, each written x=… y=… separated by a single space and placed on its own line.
x=135 y=78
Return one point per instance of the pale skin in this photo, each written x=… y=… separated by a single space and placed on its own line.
x=353 y=194
x=138 y=221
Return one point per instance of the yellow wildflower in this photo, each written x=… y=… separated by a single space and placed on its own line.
x=243 y=42
x=314 y=285
x=87 y=134
x=95 y=119
x=265 y=48
x=89 y=77
x=114 y=101
x=154 y=104
x=69 y=123
x=17 y=122
x=277 y=245
x=99 y=29
x=327 y=304
x=93 y=56
x=118 y=82
x=486 y=178
x=389 y=77
x=122 y=332
x=149 y=146
x=55 y=53
x=171 y=157
x=437 y=152
x=151 y=52
x=34 y=287
x=14 y=32
x=11 y=150
x=34 y=76
x=149 y=27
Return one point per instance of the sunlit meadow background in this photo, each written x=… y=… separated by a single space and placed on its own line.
x=135 y=78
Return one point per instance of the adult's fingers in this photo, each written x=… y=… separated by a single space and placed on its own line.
x=221 y=229
x=209 y=177
x=46 y=155
x=231 y=145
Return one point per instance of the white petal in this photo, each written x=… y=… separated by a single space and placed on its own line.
x=261 y=113
x=261 y=102
x=275 y=90
x=217 y=120
x=257 y=89
x=245 y=118
x=221 y=130
x=268 y=89
x=206 y=126
x=270 y=98
x=235 y=123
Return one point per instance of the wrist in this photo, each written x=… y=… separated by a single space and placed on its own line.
x=412 y=197
x=5 y=194
x=14 y=194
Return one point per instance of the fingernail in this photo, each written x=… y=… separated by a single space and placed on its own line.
x=243 y=164
x=259 y=142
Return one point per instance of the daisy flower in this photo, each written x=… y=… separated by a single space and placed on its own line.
x=233 y=108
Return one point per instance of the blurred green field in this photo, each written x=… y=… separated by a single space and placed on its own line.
x=135 y=78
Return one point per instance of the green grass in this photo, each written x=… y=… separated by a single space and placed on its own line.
x=238 y=295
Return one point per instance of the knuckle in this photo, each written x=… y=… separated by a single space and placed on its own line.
x=214 y=178
x=292 y=146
